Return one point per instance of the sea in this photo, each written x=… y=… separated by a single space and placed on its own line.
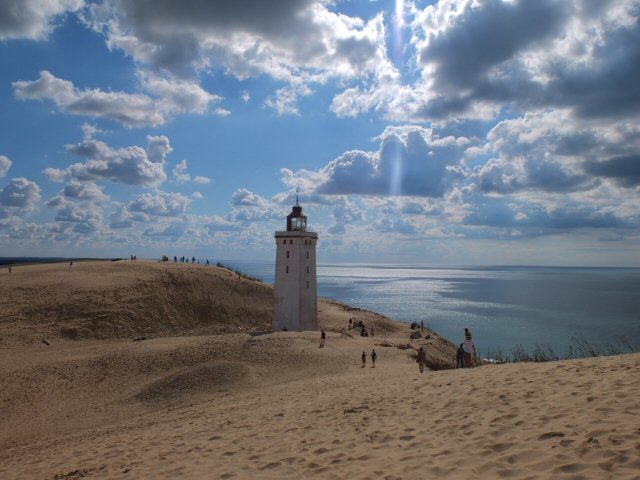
x=506 y=307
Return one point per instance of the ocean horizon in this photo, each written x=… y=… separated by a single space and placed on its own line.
x=506 y=307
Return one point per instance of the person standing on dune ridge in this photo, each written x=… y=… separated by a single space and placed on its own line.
x=469 y=349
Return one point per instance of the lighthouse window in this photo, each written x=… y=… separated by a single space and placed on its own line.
x=287 y=253
x=290 y=242
x=284 y=241
x=286 y=269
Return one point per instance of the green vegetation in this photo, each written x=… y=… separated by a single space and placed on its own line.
x=580 y=348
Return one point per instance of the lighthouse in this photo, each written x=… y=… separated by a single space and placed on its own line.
x=295 y=304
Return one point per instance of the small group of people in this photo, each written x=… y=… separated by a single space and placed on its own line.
x=364 y=331
x=184 y=259
x=465 y=355
x=374 y=356
x=414 y=326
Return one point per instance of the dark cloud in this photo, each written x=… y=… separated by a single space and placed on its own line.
x=578 y=54
x=411 y=161
x=624 y=170
x=32 y=19
x=246 y=37
x=531 y=174
x=486 y=35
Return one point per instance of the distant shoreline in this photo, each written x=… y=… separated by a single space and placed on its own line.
x=16 y=261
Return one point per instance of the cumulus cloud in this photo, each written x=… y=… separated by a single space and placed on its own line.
x=474 y=58
x=294 y=41
x=624 y=170
x=247 y=206
x=171 y=97
x=132 y=165
x=33 y=19
x=181 y=175
x=55 y=174
x=410 y=161
x=87 y=191
x=549 y=53
x=20 y=193
x=85 y=218
x=550 y=151
x=5 y=165
x=161 y=204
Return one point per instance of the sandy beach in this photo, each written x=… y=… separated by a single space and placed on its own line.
x=203 y=392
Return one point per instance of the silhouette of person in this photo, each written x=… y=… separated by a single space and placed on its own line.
x=364 y=359
x=460 y=357
x=9 y=269
x=374 y=355
x=323 y=338
x=422 y=359
x=70 y=264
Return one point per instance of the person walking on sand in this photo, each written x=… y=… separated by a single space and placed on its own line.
x=469 y=349
x=422 y=359
x=460 y=357
x=374 y=355
x=323 y=338
x=364 y=359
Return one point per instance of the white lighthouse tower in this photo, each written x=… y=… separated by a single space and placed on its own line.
x=295 y=283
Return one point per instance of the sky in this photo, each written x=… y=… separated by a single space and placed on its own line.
x=475 y=132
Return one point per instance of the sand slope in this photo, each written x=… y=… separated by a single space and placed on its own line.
x=125 y=299
x=277 y=406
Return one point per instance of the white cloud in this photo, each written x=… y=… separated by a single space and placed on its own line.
x=131 y=109
x=88 y=191
x=5 y=165
x=181 y=175
x=161 y=204
x=21 y=193
x=55 y=174
x=222 y=112
x=132 y=165
x=245 y=96
x=33 y=19
x=201 y=180
x=180 y=172
x=197 y=195
x=248 y=206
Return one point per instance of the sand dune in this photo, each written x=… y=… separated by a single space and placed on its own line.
x=275 y=405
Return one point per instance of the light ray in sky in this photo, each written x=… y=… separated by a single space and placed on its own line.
x=398 y=25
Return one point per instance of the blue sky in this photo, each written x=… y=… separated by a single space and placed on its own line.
x=450 y=132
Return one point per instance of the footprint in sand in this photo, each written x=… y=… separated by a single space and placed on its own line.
x=548 y=435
